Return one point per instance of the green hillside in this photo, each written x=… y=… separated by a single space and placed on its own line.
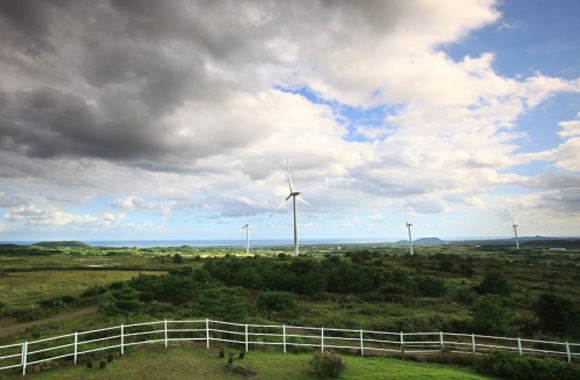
x=191 y=363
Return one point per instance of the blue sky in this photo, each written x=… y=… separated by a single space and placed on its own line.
x=171 y=121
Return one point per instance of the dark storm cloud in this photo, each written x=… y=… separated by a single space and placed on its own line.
x=26 y=23
x=106 y=74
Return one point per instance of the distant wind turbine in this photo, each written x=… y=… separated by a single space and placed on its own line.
x=515 y=227
x=409 y=225
x=247 y=227
x=295 y=196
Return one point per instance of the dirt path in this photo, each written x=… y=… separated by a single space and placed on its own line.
x=20 y=327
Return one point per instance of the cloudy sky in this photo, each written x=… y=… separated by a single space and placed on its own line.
x=169 y=119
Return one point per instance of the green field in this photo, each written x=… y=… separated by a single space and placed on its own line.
x=192 y=363
x=21 y=290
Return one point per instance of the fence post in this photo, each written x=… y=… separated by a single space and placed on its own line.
x=520 y=345
x=362 y=343
x=165 y=332
x=284 y=337
x=246 y=330
x=441 y=341
x=568 y=353
x=24 y=357
x=76 y=350
x=473 y=343
x=322 y=339
x=122 y=339
x=402 y=345
x=207 y=333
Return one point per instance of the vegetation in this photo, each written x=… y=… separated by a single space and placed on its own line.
x=513 y=366
x=490 y=290
x=189 y=363
x=327 y=365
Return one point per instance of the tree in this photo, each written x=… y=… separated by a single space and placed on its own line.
x=490 y=316
x=555 y=314
x=494 y=283
x=276 y=301
x=123 y=301
x=177 y=259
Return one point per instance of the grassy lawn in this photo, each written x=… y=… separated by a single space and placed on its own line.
x=22 y=289
x=193 y=363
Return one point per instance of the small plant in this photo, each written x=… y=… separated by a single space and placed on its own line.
x=109 y=357
x=231 y=359
x=222 y=354
x=327 y=364
x=242 y=355
x=103 y=364
x=89 y=363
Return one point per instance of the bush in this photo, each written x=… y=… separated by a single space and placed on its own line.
x=490 y=316
x=276 y=301
x=103 y=364
x=430 y=286
x=89 y=363
x=513 y=366
x=494 y=283
x=555 y=314
x=327 y=364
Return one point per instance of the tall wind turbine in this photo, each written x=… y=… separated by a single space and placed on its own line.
x=295 y=197
x=247 y=227
x=515 y=227
x=409 y=225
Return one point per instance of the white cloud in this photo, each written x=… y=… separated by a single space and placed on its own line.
x=186 y=109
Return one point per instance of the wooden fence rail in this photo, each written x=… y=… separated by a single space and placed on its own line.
x=361 y=342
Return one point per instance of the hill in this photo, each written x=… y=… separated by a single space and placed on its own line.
x=423 y=241
x=61 y=244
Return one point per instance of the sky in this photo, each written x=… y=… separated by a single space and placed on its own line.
x=138 y=120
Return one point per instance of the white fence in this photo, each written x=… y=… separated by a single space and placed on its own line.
x=71 y=346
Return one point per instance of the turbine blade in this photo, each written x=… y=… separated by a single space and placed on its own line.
x=240 y=231
x=277 y=207
x=303 y=201
x=245 y=220
x=290 y=184
x=288 y=197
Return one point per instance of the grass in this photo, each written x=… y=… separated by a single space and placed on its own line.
x=21 y=290
x=185 y=362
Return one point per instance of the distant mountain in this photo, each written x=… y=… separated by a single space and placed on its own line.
x=423 y=241
x=61 y=244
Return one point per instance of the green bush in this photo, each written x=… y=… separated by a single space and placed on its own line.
x=490 y=316
x=276 y=301
x=327 y=364
x=513 y=366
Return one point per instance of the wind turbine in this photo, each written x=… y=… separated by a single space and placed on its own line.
x=515 y=227
x=247 y=227
x=295 y=197
x=409 y=225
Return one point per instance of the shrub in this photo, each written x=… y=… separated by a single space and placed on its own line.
x=103 y=364
x=89 y=363
x=493 y=283
x=513 y=366
x=327 y=364
x=276 y=301
x=430 y=286
x=555 y=314
x=490 y=316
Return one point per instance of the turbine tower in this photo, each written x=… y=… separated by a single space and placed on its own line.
x=515 y=227
x=295 y=197
x=247 y=227
x=409 y=225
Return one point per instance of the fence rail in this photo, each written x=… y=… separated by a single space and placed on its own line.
x=71 y=346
